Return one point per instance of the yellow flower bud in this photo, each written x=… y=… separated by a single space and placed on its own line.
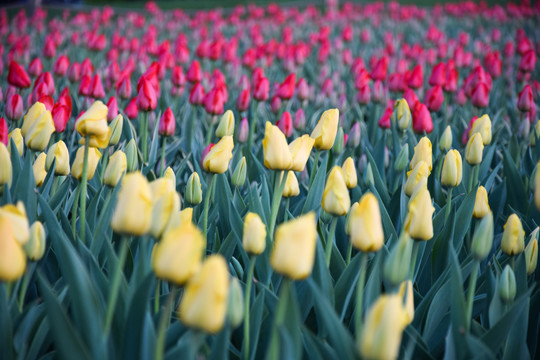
x=481 y=203
x=93 y=158
x=420 y=171
x=226 y=125
x=452 y=169
x=165 y=201
x=365 y=224
x=275 y=149
x=39 y=169
x=513 y=240
x=133 y=212
x=293 y=253
x=507 y=285
x=16 y=215
x=325 y=131
x=116 y=129
x=254 y=238
x=402 y=114
x=474 y=150
x=239 y=174
x=178 y=218
x=115 y=169
x=406 y=293
x=177 y=256
x=35 y=247
x=18 y=140
x=235 y=305
x=445 y=141
x=193 y=194
x=419 y=222
x=336 y=200
x=37 y=127
x=93 y=122
x=100 y=142
x=397 y=264
x=300 y=149
x=60 y=153
x=482 y=126
x=349 y=173
x=531 y=255
x=384 y=324
x=348 y=218
x=169 y=174
x=204 y=303
x=422 y=152
x=217 y=160
x=132 y=156
x=6 y=170
x=482 y=240
x=291 y=188
x=12 y=256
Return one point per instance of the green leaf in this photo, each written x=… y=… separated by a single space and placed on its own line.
x=315 y=191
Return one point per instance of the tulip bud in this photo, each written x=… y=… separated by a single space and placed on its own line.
x=535 y=133
x=14 y=107
x=16 y=215
x=349 y=173
x=325 y=132
x=445 y=141
x=365 y=225
x=177 y=219
x=300 y=119
x=169 y=174
x=226 y=125
x=452 y=169
x=291 y=188
x=116 y=129
x=482 y=240
x=39 y=169
x=420 y=171
x=204 y=302
x=474 y=149
x=402 y=114
x=481 y=204
x=254 y=238
x=243 y=130
x=482 y=126
x=275 y=149
x=300 y=150
x=112 y=106
x=165 y=202
x=132 y=156
x=146 y=98
x=531 y=253
x=60 y=153
x=239 y=174
x=402 y=159
x=93 y=158
x=18 y=140
x=368 y=176
x=93 y=122
x=407 y=294
x=285 y=124
x=218 y=158
x=525 y=99
x=6 y=169
x=507 y=285
x=38 y=127
x=293 y=253
x=419 y=223
x=397 y=264
x=513 y=240
x=12 y=256
x=339 y=143
x=193 y=194
x=336 y=200
x=115 y=169
x=422 y=152
x=35 y=247
x=354 y=135
x=167 y=123
x=235 y=307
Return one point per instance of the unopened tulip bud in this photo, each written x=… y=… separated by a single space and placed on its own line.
x=419 y=222
x=277 y=155
x=17 y=138
x=116 y=129
x=482 y=240
x=226 y=125
x=35 y=247
x=422 y=152
x=482 y=126
x=445 y=141
x=39 y=169
x=507 y=285
x=112 y=106
x=254 y=238
x=115 y=169
x=339 y=143
x=420 y=171
x=14 y=107
x=513 y=240
x=132 y=156
x=368 y=176
x=365 y=225
x=402 y=159
x=397 y=264
x=325 y=132
x=193 y=194
x=531 y=253
x=169 y=174
x=407 y=294
x=16 y=215
x=147 y=97
x=354 y=135
x=402 y=114
x=300 y=119
x=349 y=173
x=60 y=153
x=336 y=200
x=291 y=188
x=6 y=169
x=239 y=174
x=217 y=159
x=93 y=158
x=452 y=169
x=12 y=256
x=167 y=123
x=474 y=150
x=235 y=307
x=481 y=203
x=38 y=127
x=243 y=130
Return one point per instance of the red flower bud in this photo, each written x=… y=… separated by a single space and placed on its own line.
x=194 y=74
x=3 y=131
x=87 y=69
x=384 y=121
x=243 y=130
x=410 y=97
x=214 y=101
x=242 y=103
x=167 y=123
x=47 y=79
x=74 y=72
x=146 y=98
x=97 y=87
x=275 y=104
x=528 y=61
x=61 y=66
x=35 y=68
x=378 y=92
x=85 y=86
x=261 y=89
x=48 y=101
x=286 y=88
x=14 y=107
x=438 y=75
x=17 y=76
x=302 y=89
x=60 y=114
x=416 y=77
x=434 y=98
x=380 y=69
x=131 y=110
x=480 y=96
x=525 y=99
x=421 y=117
x=364 y=95
x=178 y=78
x=285 y=124
x=300 y=119
x=196 y=95
x=112 y=105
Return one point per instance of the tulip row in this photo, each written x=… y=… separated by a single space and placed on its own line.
x=185 y=222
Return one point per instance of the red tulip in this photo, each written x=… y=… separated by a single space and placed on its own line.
x=14 y=107
x=49 y=49
x=96 y=86
x=47 y=79
x=480 y=96
x=85 y=86
x=167 y=123
x=347 y=33
x=438 y=75
x=378 y=92
x=451 y=82
x=35 y=68
x=196 y=95
x=302 y=89
x=112 y=105
x=87 y=69
x=74 y=72
x=3 y=131
x=48 y=101
x=146 y=98
x=275 y=104
x=300 y=119
x=384 y=121
x=416 y=77
x=528 y=61
x=131 y=110
x=60 y=114
x=214 y=101
x=17 y=76
x=285 y=124
x=242 y=103
x=525 y=99
x=261 y=89
x=493 y=64
x=61 y=66
x=286 y=88
x=65 y=99
x=364 y=95
x=123 y=87
x=410 y=97
x=380 y=69
x=434 y=98
x=178 y=78
x=194 y=73
x=421 y=117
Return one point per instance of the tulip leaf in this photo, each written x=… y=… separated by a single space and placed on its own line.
x=315 y=191
x=25 y=190
x=316 y=348
x=517 y=197
x=379 y=183
x=6 y=330
x=256 y=314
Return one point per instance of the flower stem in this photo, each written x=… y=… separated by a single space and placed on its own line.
x=330 y=240
x=279 y=184
x=84 y=185
x=115 y=284
x=349 y=253
x=315 y=167
x=74 y=211
x=163 y=145
x=207 y=204
x=472 y=287
x=252 y=125
x=360 y=292
x=286 y=213
x=157 y=295
x=163 y=323
x=26 y=279
x=104 y=163
x=416 y=244
x=448 y=204
x=279 y=318
x=471 y=178
x=247 y=297
x=144 y=135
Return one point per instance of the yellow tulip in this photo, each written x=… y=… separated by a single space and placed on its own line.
x=402 y=114
x=420 y=171
x=419 y=222
x=336 y=200
x=133 y=212
x=39 y=169
x=38 y=127
x=531 y=255
x=481 y=203
x=35 y=247
x=217 y=160
x=365 y=224
x=93 y=158
x=422 y=152
x=325 y=131
x=474 y=150
x=293 y=253
x=406 y=293
x=300 y=149
x=513 y=240
x=93 y=122
x=482 y=126
x=349 y=173
x=291 y=188
x=165 y=202
x=193 y=193
x=254 y=238
x=18 y=140
x=177 y=256
x=204 y=303
x=12 y=256
x=16 y=214
x=452 y=170
x=31 y=116
x=169 y=174
x=115 y=169
x=178 y=218
x=116 y=129
x=98 y=141
x=60 y=153
x=445 y=141
x=277 y=155
x=6 y=170
x=226 y=125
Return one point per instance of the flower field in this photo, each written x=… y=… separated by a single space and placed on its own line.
x=276 y=182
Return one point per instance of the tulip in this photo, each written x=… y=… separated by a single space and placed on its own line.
x=93 y=158
x=167 y=123
x=403 y=159
x=60 y=153
x=415 y=176
x=235 y=304
x=16 y=215
x=406 y=293
x=93 y=123
x=146 y=98
x=239 y=174
x=416 y=77
x=123 y=87
x=6 y=169
x=226 y=125
x=116 y=130
x=482 y=240
x=165 y=202
x=402 y=114
x=214 y=101
x=285 y=124
x=277 y=155
x=482 y=125
x=384 y=324
x=35 y=68
x=12 y=256
x=419 y=222
x=349 y=173
x=445 y=141
x=421 y=117
x=291 y=188
x=60 y=114
x=193 y=193
x=480 y=96
x=17 y=76
x=525 y=99
x=243 y=131
x=115 y=169
x=35 y=247
x=507 y=285
x=131 y=109
x=474 y=150
x=3 y=132
x=261 y=89
x=18 y=140
x=299 y=119
x=204 y=303
x=133 y=212
x=286 y=89
x=422 y=152
x=481 y=204
x=354 y=135
x=14 y=107
x=194 y=73
x=39 y=169
x=531 y=254
x=38 y=127
x=438 y=75
x=293 y=253
x=177 y=256
x=513 y=240
x=300 y=150
x=397 y=264
x=254 y=238
x=96 y=86
x=434 y=98
x=452 y=169
x=112 y=106
x=218 y=157
x=336 y=198
x=325 y=132
x=365 y=225
x=196 y=95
